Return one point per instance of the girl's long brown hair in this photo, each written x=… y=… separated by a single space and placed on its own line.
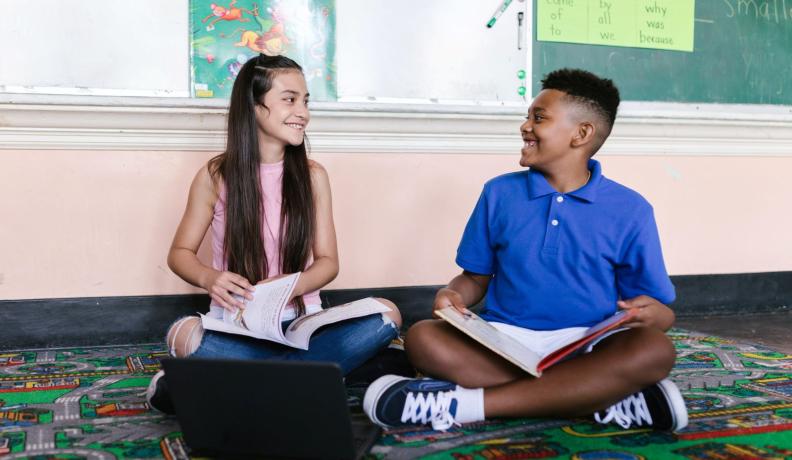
x=238 y=167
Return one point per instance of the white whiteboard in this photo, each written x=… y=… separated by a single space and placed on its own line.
x=438 y=49
x=107 y=47
x=386 y=50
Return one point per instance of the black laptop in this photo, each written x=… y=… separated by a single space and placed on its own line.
x=266 y=409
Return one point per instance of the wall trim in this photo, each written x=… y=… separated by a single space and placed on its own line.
x=144 y=319
x=97 y=123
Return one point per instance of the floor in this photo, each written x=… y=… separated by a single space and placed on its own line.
x=88 y=402
x=770 y=329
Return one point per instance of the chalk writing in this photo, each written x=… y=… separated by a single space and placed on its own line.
x=778 y=11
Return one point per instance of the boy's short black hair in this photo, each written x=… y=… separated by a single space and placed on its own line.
x=599 y=95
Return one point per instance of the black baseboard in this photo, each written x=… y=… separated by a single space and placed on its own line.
x=740 y=293
x=44 y=323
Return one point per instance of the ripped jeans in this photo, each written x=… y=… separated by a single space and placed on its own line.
x=348 y=343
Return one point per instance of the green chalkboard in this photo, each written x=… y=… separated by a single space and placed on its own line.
x=742 y=55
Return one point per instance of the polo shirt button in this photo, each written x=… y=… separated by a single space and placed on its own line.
x=554 y=222
x=560 y=199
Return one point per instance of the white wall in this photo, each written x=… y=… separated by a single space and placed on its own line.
x=99 y=223
x=93 y=186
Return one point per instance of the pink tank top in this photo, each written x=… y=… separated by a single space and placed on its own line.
x=271 y=180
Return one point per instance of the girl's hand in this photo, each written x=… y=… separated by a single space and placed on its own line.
x=649 y=312
x=449 y=298
x=223 y=285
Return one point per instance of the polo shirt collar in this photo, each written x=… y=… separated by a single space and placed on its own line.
x=539 y=187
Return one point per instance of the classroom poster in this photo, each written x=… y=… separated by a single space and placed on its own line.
x=657 y=24
x=224 y=36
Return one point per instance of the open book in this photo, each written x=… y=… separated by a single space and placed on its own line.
x=531 y=361
x=261 y=318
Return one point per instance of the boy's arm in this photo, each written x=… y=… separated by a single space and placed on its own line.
x=465 y=289
x=641 y=277
x=651 y=313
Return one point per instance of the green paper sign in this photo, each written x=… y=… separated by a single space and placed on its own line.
x=658 y=24
x=224 y=36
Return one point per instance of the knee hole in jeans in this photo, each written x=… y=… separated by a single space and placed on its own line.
x=184 y=336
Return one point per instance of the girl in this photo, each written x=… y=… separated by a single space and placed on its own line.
x=269 y=210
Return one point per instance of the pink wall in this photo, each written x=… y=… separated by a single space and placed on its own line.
x=98 y=223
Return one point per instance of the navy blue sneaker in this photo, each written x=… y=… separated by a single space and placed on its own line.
x=659 y=407
x=393 y=401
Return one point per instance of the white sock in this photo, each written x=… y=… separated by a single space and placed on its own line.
x=470 y=405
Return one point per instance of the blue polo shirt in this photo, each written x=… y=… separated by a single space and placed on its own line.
x=562 y=259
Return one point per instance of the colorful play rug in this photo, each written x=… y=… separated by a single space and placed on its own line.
x=89 y=402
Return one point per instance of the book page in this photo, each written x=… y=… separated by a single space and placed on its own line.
x=551 y=350
x=263 y=314
x=495 y=340
x=560 y=339
x=261 y=317
x=298 y=334
x=541 y=342
x=219 y=325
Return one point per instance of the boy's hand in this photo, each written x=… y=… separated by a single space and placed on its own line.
x=449 y=298
x=223 y=285
x=650 y=312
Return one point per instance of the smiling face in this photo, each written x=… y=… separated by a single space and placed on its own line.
x=284 y=115
x=548 y=131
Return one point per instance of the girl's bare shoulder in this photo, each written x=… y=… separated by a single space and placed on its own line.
x=207 y=182
x=315 y=165
x=318 y=172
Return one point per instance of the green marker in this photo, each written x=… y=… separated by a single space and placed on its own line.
x=521 y=90
x=504 y=4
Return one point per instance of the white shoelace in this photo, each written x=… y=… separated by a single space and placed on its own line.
x=632 y=409
x=434 y=408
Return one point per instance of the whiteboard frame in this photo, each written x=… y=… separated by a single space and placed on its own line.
x=714 y=112
x=162 y=124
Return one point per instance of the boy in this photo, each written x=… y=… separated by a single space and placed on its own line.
x=554 y=247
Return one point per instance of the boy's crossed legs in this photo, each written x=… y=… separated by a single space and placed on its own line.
x=620 y=365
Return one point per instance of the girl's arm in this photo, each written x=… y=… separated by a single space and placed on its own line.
x=183 y=258
x=325 y=249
